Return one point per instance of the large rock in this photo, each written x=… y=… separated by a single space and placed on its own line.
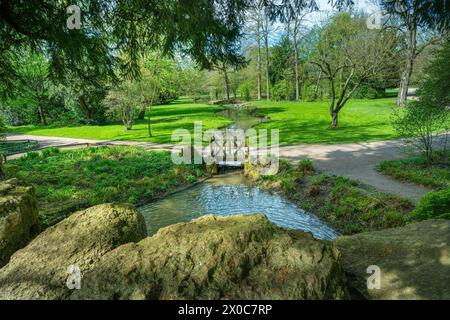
x=18 y=217
x=414 y=261
x=40 y=270
x=235 y=257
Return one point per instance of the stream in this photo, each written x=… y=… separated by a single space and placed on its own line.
x=231 y=194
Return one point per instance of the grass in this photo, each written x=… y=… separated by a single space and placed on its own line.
x=416 y=170
x=298 y=122
x=309 y=122
x=349 y=206
x=69 y=180
x=165 y=119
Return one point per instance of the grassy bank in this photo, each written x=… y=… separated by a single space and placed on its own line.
x=309 y=122
x=416 y=170
x=436 y=175
x=69 y=180
x=347 y=205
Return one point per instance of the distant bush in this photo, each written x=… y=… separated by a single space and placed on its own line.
x=245 y=89
x=435 y=204
x=369 y=92
x=166 y=96
x=283 y=90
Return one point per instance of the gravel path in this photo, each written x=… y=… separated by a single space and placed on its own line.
x=354 y=160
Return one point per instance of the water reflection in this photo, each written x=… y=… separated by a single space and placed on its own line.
x=230 y=195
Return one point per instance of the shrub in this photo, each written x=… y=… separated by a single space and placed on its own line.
x=306 y=166
x=420 y=123
x=435 y=204
x=283 y=90
x=368 y=92
x=50 y=152
x=32 y=154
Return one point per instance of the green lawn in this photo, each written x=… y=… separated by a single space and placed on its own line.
x=165 y=119
x=309 y=122
x=298 y=122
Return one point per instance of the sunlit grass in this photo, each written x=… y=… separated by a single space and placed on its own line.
x=298 y=122
x=309 y=122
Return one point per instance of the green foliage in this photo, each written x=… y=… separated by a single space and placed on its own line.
x=3 y=129
x=368 y=92
x=283 y=90
x=32 y=154
x=421 y=122
x=245 y=89
x=436 y=83
x=434 y=205
x=85 y=177
x=48 y=152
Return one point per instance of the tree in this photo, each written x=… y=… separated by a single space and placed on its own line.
x=255 y=26
x=409 y=17
x=421 y=125
x=122 y=102
x=2 y=137
x=108 y=31
x=349 y=54
x=296 y=12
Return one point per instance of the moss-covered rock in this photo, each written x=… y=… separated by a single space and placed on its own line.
x=18 y=217
x=414 y=261
x=235 y=257
x=40 y=270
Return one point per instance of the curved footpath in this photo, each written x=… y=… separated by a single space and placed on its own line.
x=353 y=160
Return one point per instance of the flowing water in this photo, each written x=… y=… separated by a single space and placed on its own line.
x=228 y=195
x=232 y=194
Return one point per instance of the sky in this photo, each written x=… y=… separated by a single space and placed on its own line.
x=325 y=10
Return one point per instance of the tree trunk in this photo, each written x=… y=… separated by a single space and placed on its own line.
x=128 y=124
x=259 y=61
x=297 y=80
x=334 y=120
x=141 y=115
x=404 y=83
x=42 y=115
x=85 y=108
x=2 y=174
x=149 y=122
x=409 y=65
x=266 y=45
x=226 y=83
x=316 y=90
x=234 y=85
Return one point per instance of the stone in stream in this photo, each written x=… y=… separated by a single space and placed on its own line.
x=40 y=270
x=234 y=257
x=18 y=217
x=414 y=261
